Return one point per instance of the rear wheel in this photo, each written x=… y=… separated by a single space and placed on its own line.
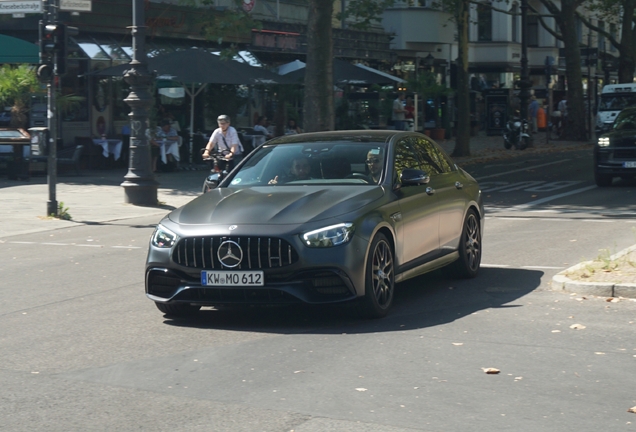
x=602 y=180
x=379 y=280
x=177 y=309
x=467 y=266
x=507 y=144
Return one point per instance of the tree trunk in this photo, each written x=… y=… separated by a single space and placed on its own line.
x=627 y=64
x=462 y=139
x=319 y=101
x=575 y=129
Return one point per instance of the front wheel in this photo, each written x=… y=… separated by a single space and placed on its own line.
x=467 y=266
x=602 y=180
x=523 y=143
x=507 y=144
x=379 y=285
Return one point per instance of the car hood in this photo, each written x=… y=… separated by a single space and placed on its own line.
x=626 y=138
x=274 y=205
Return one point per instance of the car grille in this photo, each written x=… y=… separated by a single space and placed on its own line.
x=625 y=154
x=258 y=252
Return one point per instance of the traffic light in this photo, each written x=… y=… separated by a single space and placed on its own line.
x=62 y=53
x=48 y=48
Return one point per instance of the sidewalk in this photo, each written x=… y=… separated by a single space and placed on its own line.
x=97 y=197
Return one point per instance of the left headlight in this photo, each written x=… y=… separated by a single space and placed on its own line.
x=333 y=235
x=163 y=237
x=603 y=142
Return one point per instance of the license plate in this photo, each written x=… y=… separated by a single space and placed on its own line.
x=231 y=278
x=629 y=164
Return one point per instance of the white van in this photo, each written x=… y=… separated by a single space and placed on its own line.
x=614 y=97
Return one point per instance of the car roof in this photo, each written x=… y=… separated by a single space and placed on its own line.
x=343 y=135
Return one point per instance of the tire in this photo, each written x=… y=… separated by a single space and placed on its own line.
x=379 y=284
x=602 y=180
x=523 y=143
x=467 y=266
x=507 y=144
x=178 y=309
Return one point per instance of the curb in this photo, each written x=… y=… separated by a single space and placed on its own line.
x=560 y=282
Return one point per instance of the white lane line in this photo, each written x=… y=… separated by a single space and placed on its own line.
x=553 y=197
x=520 y=170
x=523 y=267
x=79 y=245
x=86 y=245
x=126 y=247
x=21 y=242
x=597 y=220
x=54 y=244
x=543 y=267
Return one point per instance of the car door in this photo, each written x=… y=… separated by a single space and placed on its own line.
x=447 y=188
x=419 y=214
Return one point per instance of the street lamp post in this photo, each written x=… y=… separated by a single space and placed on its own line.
x=140 y=187
x=524 y=83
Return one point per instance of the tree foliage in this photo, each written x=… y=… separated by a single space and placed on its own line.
x=17 y=83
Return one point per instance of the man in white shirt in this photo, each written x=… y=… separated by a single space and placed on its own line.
x=223 y=138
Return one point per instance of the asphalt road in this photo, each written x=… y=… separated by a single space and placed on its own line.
x=84 y=350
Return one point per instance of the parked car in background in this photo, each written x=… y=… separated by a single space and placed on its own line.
x=615 y=151
x=318 y=218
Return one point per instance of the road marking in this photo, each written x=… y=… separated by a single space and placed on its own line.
x=74 y=244
x=54 y=244
x=551 y=198
x=520 y=170
x=522 y=267
x=126 y=247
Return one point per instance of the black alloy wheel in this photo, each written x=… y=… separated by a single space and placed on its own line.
x=467 y=266
x=379 y=280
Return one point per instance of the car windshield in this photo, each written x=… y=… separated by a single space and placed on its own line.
x=626 y=120
x=615 y=102
x=313 y=163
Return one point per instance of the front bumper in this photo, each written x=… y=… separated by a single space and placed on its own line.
x=612 y=160
x=316 y=276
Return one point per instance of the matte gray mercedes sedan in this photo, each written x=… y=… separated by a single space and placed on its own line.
x=320 y=218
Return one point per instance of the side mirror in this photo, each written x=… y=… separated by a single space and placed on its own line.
x=414 y=177
x=212 y=181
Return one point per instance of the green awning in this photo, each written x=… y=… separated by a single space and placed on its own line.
x=13 y=50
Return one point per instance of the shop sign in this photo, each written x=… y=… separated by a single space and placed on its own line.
x=76 y=5
x=18 y=7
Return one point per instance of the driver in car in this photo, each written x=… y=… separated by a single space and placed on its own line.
x=300 y=170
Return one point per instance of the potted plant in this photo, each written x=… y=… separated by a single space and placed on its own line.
x=427 y=87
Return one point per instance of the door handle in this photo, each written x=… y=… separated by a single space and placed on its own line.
x=458 y=185
x=430 y=190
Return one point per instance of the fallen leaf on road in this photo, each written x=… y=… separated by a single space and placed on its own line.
x=556 y=331
x=458 y=343
x=491 y=371
x=632 y=410
x=599 y=353
x=577 y=326
x=360 y=389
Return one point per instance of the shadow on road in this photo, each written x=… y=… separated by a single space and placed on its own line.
x=426 y=301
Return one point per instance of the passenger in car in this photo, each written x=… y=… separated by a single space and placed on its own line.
x=374 y=161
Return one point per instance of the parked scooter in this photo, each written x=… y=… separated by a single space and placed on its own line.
x=516 y=133
x=218 y=170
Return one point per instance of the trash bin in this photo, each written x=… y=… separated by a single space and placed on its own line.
x=17 y=146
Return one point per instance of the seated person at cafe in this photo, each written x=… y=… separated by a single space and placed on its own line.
x=261 y=126
x=300 y=170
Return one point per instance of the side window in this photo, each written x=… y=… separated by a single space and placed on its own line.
x=429 y=162
x=405 y=156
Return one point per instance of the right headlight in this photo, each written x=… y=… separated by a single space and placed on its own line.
x=163 y=237
x=333 y=235
x=603 y=142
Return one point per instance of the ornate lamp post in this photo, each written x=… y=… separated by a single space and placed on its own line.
x=140 y=187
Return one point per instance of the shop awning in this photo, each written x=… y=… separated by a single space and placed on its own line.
x=13 y=50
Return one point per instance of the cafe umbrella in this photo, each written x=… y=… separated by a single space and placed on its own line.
x=195 y=68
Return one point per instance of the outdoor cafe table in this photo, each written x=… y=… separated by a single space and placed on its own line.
x=169 y=147
x=109 y=146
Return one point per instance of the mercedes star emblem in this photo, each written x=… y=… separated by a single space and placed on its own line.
x=230 y=253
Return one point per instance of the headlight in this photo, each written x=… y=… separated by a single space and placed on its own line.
x=333 y=235
x=163 y=237
x=517 y=124
x=603 y=142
